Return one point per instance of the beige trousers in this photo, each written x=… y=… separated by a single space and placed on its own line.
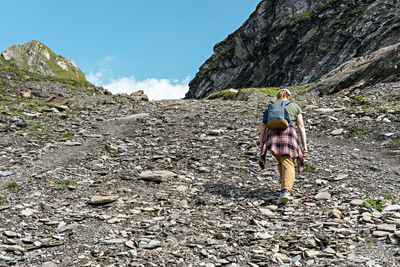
x=286 y=170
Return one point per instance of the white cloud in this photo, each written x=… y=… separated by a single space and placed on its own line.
x=95 y=78
x=104 y=70
x=155 y=89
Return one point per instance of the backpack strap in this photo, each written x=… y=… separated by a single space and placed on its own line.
x=287 y=102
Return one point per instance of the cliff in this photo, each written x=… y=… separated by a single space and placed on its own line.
x=297 y=42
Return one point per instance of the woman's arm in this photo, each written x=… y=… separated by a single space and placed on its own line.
x=302 y=130
x=263 y=128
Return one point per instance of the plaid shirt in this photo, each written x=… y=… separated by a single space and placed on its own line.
x=282 y=143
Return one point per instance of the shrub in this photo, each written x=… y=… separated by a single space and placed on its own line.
x=309 y=166
x=376 y=204
x=387 y=196
x=12 y=185
x=64 y=185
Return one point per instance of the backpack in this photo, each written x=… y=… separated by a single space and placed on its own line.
x=276 y=115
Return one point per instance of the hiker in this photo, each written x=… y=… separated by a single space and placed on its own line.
x=284 y=144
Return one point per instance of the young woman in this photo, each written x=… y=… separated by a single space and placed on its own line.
x=284 y=145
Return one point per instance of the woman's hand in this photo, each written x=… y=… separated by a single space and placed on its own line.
x=304 y=150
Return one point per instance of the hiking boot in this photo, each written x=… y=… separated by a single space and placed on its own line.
x=283 y=197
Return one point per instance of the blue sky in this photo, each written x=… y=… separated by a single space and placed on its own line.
x=127 y=45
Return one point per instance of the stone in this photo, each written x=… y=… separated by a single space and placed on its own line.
x=130 y=244
x=329 y=251
x=72 y=143
x=135 y=117
x=101 y=200
x=156 y=176
x=132 y=253
x=114 y=241
x=139 y=96
x=296 y=259
x=49 y=264
x=325 y=110
x=340 y=177
x=263 y=235
x=322 y=196
x=312 y=253
x=182 y=189
x=337 y=131
x=387 y=227
x=282 y=258
x=149 y=244
x=391 y=208
x=27 y=212
x=336 y=213
x=12 y=248
x=267 y=212
x=380 y=233
x=62 y=227
x=93 y=135
x=397 y=234
x=4 y=128
x=5 y=173
x=356 y=202
x=11 y=234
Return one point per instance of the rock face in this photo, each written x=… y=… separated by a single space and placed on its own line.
x=37 y=58
x=382 y=65
x=296 y=42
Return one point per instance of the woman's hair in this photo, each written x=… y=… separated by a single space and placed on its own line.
x=283 y=93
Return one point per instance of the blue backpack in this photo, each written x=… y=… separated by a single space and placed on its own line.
x=276 y=115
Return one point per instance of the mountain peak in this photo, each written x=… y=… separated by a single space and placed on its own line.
x=296 y=42
x=36 y=57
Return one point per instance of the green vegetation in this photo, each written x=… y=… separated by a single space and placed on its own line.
x=2 y=199
x=3 y=61
x=227 y=54
x=306 y=15
x=272 y=91
x=34 y=79
x=389 y=108
x=357 y=130
x=65 y=184
x=360 y=10
x=16 y=112
x=37 y=127
x=309 y=166
x=362 y=100
x=395 y=144
x=292 y=20
x=12 y=185
x=224 y=94
x=31 y=104
x=5 y=98
x=376 y=204
x=328 y=4
x=35 y=104
x=387 y=196
x=68 y=135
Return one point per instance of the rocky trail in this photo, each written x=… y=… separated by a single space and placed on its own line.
x=177 y=183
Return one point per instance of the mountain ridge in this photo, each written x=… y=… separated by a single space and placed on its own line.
x=38 y=59
x=296 y=42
